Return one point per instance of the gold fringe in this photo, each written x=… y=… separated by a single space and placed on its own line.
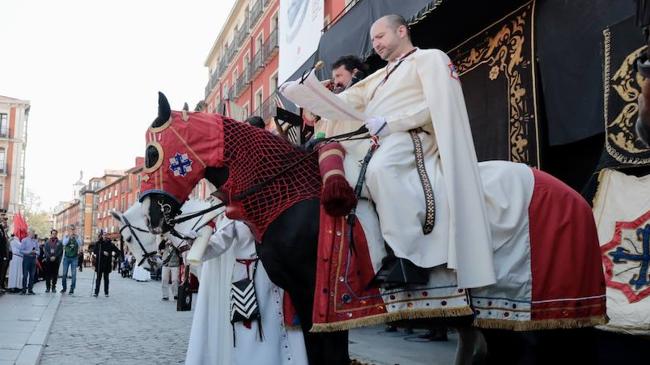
x=391 y=317
x=545 y=324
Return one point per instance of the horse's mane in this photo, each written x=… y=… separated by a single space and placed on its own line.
x=254 y=156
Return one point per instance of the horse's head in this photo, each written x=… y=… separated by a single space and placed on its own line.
x=182 y=147
x=140 y=241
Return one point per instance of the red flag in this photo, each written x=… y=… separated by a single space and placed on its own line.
x=20 y=226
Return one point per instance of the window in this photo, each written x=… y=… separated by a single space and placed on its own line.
x=4 y=125
x=247 y=60
x=224 y=91
x=259 y=98
x=274 y=22
x=3 y=158
x=273 y=83
x=246 y=110
x=259 y=41
x=235 y=74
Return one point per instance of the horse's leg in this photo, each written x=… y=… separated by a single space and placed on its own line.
x=472 y=348
x=288 y=252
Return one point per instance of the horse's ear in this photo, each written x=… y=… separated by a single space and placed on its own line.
x=164 y=111
x=186 y=109
x=117 y=215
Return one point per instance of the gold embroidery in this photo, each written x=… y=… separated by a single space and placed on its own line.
x=625 y=82
x=504 y=53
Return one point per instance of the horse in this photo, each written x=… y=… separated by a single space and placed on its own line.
x=275 y=188
x=206 y=322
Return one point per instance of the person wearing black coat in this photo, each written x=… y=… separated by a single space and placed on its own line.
x=5 y=255
x=103 y=251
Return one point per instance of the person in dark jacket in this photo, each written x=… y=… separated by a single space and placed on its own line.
x=52 y=253
x=5 y=255
x=103 y=251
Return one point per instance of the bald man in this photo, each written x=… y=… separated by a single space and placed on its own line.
x=424 y=176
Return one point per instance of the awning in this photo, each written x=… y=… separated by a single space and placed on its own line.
x=350 y=35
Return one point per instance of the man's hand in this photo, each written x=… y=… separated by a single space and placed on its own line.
x=105 y=253
x=52 y=258
x=329 y=84
x=377 y=126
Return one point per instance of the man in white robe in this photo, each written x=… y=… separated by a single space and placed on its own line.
x=15 y=283
x=278 y=344
x=420 y=89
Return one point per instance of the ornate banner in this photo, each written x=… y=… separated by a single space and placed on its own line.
x=623 y=221
x=622 y=44
x=497 y=71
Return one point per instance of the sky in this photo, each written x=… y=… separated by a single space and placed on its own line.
x=92 y=70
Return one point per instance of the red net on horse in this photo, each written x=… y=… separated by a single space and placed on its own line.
x=254 y=156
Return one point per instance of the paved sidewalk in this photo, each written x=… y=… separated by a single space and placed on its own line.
x=25 y=322
x=132 y=326
x=375 y=346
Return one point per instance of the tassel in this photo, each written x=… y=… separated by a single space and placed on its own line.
x=337 y=196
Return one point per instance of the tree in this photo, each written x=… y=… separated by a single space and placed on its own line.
x=36 y=217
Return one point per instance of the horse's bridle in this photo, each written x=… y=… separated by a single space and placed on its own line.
x=132 y=230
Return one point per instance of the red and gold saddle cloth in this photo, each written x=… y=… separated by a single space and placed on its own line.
x=549 y=278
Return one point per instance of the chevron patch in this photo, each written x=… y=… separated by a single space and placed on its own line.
x=243 y=302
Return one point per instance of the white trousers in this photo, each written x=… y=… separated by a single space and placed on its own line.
x=166 y=273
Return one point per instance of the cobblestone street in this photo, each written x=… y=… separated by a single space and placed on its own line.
x=132 y=326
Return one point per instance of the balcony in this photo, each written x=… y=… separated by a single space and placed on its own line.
x=4 y=131
x=256 y=12
x=258 y=63
x=271 y=46
x=242 y=83
x=268 y=109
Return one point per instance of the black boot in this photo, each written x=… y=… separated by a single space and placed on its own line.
x=397 y=272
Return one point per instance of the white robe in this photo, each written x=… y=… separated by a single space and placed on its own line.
x=211 y=323
x=15 y=266
x=423 y=91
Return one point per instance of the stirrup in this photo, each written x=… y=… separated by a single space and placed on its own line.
x=397 y=272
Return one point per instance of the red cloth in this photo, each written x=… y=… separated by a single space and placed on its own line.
x=331 y=287
x=252 y=156
x=20 y=226
x=565 y=253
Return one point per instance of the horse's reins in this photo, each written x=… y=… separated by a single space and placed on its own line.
x=257 y=187
x=132 y=230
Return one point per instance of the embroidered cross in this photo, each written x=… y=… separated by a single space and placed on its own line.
x=621 y=255
x=180 y=164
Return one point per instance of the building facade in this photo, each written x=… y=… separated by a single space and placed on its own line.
x=243 y=61
x=82 y=210
x=13 y=141
x=118 y=195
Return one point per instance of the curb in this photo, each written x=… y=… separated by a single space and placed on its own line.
x=33 y=349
